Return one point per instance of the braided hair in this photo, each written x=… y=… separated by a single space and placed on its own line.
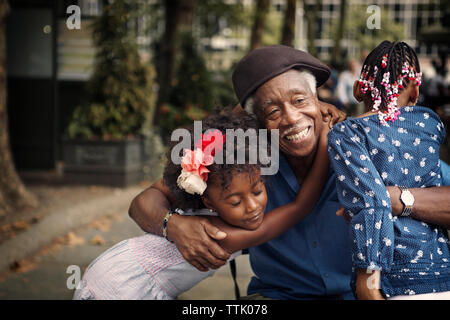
x=387 y=70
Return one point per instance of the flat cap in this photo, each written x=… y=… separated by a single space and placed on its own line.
x=263 y=64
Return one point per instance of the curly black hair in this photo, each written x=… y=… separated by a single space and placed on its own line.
x=219 y=173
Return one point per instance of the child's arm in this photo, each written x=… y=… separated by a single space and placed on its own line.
x=279 y=220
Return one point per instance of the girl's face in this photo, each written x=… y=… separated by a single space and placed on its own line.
x=243 y=203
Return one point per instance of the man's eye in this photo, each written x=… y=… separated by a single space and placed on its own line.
x=236 y=204
x=272 y=113
x=257 y=193
x=299 y=100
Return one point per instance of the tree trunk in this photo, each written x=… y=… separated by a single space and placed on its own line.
x=288 y=32
x=179 y=16
x=13 y=194
x=167 y=51
x=261 y=11
x=340 y=32
x=311 y=16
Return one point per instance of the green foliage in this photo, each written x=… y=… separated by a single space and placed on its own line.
x=273 y=27
x=222 y=88
x=210 y=12
x=190 y=95
x=120 y=89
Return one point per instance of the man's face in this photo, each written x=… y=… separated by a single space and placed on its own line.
x=287 y=103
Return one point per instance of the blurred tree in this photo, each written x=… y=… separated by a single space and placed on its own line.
x=288 y=32
x=339 y=33
x=214 y=17
x=187 y=86
x=260 y=14
x=13 y=194
x=120 y=89
x=190 y=96
x=311 y=15
x=273 y=27
x=178 y=20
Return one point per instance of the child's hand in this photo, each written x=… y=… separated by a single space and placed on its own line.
x=342 y=213
x=331 y=114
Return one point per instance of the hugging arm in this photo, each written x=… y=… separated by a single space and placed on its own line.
x=194 y=236
x=279 y=220
x=431 y=205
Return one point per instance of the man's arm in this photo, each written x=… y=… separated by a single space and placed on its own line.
x=194 y=236
x=149 y=208
x=431 y=205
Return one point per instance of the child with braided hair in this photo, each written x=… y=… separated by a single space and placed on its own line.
x=151 y=267
x=395 y=144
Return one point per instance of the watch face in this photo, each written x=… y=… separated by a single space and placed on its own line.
x=407 y=198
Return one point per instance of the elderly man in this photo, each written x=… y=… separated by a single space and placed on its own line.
x=311 y=260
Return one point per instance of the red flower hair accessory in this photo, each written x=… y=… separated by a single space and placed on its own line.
x=194 y=175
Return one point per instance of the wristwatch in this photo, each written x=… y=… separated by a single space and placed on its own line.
x=408 y=200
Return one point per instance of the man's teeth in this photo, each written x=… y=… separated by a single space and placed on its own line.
x=298 y=136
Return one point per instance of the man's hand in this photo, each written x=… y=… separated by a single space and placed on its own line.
x=341 y=213
x=194 y=238
x=331 y=114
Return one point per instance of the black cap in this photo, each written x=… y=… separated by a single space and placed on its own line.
x=263 y=64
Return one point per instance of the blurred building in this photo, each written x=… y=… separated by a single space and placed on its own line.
x=413 y=14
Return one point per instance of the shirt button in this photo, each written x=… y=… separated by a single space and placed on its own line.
x=326 y=275
x=315 y=244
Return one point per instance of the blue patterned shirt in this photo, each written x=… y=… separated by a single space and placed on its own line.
x=413 y=256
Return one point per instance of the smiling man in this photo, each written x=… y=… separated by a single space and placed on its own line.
x=311 y=260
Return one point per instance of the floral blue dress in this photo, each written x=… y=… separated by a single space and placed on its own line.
x=413 y=256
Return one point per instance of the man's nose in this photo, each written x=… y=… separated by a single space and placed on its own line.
x=290 y=115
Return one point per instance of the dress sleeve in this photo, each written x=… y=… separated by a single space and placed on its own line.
x=362 y=193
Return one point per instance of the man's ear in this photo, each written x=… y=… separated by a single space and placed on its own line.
x=357 y=91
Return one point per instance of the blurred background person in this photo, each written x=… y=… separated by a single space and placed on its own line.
x=344 y=89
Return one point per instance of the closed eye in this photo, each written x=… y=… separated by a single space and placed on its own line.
x=236 y=204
